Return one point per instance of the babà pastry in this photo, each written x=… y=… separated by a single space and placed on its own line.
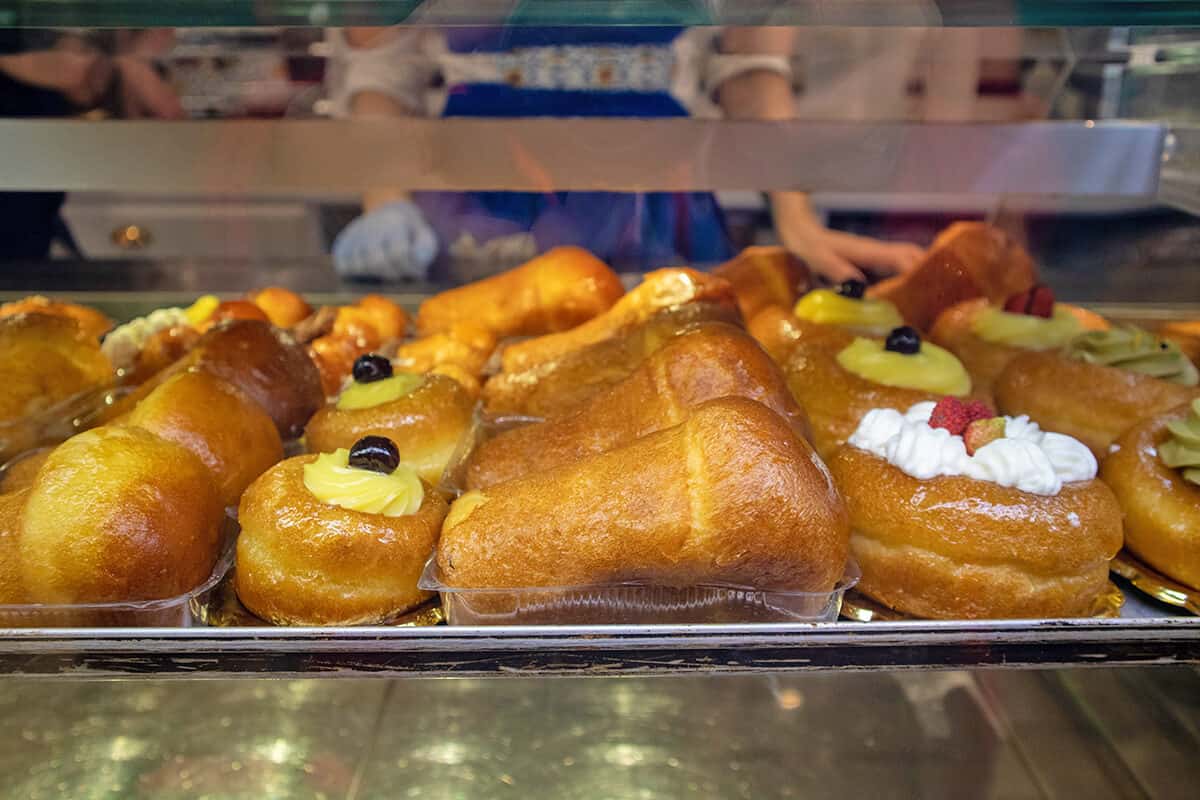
x=118 y=514
x=559 y=289
x=1154 y=469
x=957 y=515
x=848 y=307
x=563 y=384
x=661 y=289
x=765 y=276
x=336 y=539
x=967 y=260
x=837 y=377
x=1099 y=386
x=425 y=415
x=986 y=337
x=226 y=430
x=712 y=360
x=731 y=495
x=92 y=323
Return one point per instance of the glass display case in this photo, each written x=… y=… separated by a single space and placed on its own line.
x=172 y=159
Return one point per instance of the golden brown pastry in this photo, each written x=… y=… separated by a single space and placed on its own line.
x=731 y=495
x=367 y=326
x=283 y=307
x=765 y=276
x=92 y=323
x=712 y=360
x=564 y=384
x=967 y=260
x=464 y=344
x=233 y=310
x=659 y=290
x=304 y=561
x=20 y=472
x=388 y=318
x=119 y=514
x=559 y=289
x=1186 y=335
x=425 y=415
x=1161 y=502
x=228 y=431
x=12 y=587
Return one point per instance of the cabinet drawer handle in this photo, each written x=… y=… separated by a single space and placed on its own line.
x=131 y=237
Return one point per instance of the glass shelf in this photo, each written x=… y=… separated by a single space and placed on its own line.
x=186 y=13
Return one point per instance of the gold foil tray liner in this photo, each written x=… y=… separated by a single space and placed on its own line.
x=860 y=608
x=1148 y=581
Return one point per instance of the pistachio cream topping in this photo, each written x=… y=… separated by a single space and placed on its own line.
x=1026 y=331
x=368 y=395
x=1182 y=450
x=929 y=369
x=332 y=480
x=1134 y=349
x=867 y=315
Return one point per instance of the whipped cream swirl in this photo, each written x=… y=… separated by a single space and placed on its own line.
x=1027 y=458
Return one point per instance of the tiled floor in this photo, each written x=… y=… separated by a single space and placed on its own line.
x=1093 y=734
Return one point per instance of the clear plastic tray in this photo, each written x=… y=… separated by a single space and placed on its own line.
x=633 y=603
x=58 y=423
x=482 y=428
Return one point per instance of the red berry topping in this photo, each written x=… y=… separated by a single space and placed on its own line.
x=977 y=409
x=1037 y=302
x=951 y=414
x=983 y=431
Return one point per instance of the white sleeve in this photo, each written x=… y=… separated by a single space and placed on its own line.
x=398 y=67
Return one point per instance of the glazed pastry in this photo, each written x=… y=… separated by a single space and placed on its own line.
x=336 y=539
x=967 y=260
x=1154 y=469
x=425 y=415
x=986 y=337
x=1000 y=519
x=712 y=360
x=837 y=378
x=283 y=307
x=232 y=310
x=353 y=331
x=559 y=289
x=847 y=307
x=659 y=290
x=226 y=430
x=731 y=495
x=119 y=514
x=92 y=323
x=765 y=276
x=1186 y=335
x=1101 y=385
x=565 y=384
x=12 y=586
x=465 y=344
x=142 y=347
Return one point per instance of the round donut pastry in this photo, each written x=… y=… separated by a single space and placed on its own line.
x=837 y=377
x=1013 y=528
x=425 y=415
x=283 y=307
x=228 y=431
x=92 y=323
x=118 y=514
x=1161 y=502
x=1092 y=402
x=985 y=338
x=307 y=554
x=12 y=586
x=45 y=360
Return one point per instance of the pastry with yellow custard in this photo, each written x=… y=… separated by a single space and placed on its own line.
x=986 y=337
x=837 y=377
x=338 y=538
x=1154 y=469
x=425 y=415
x=847 y=307
x=1100 y=385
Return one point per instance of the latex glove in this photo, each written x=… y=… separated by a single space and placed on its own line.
x=392 y=242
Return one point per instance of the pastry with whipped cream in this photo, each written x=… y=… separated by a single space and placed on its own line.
x=1098 y=386
x=425 y=415
x=957 y=513
x=337 y=538
x=1154 y=469
x=986 y=337
x=837 y=377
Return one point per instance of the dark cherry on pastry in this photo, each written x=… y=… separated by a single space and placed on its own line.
x=371 y=367
x=376 y=453
x=852 y=289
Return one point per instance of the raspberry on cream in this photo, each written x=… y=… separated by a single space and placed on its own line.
x=1027 y=458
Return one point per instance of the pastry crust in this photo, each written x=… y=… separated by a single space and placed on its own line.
x=119 y=514
x=765 y=276
x=1162 y=510
x=559 y=289
x=283 y=307
x=92 y=323
x=730 y=495
x=303 y=562
x=1186 y=335
x=465 y=345
x=12 y=585
x=1091 y=402
x=426 y=424
x=712 y=360
x=958 y=548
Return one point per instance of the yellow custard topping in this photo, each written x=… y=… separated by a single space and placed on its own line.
x=1026 y=330
x=868 y=315
x=202 y=309
x=368 y=395
x=931 y=369
x=1182 y=450
x=1136 y=350
x=332 y=480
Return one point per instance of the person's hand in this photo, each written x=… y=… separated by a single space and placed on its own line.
x=144 y=93
x=391 y=242
x=838 y=256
